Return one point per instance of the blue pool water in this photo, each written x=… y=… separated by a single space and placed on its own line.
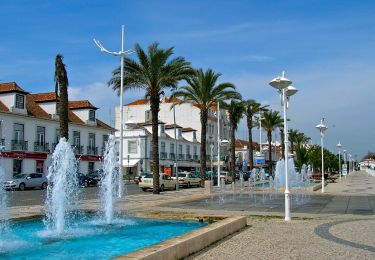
x=90 y=238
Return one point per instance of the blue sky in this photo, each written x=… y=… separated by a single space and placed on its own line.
x=326 y=48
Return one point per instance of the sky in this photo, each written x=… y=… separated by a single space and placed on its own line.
x=325 y=47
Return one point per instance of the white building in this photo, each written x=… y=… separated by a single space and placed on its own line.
x=187 y=116
x=29 y=131
x=138 y=148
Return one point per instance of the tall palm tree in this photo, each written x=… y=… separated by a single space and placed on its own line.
x=203 y=91
x=292 y=138
x=62 y=83
x=271 y=121
x=236 y=109
x=252 y=108
x=154 y=72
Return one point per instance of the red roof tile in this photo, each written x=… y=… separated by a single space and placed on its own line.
x=170 y=126
x=45 y=97
x=138 y=102
x=188 y=129
x=3 y=108
x=33 y=109
x=104 y=125
x=81 y=104
x=11 y=87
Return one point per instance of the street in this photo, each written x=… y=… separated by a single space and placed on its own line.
x=37 y=197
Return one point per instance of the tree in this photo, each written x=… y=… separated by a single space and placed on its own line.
x=252 y=108
x=271 y=120
x=330 y=159
x=302 y=156
x=203 y=91
x=236 y=109
x=153 y=72
x=292 y=138
x=62 y=83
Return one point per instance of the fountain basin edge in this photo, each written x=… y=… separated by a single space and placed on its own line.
x=192 y=242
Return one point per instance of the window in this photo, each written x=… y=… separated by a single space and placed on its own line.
x=195 y=150
x=180 y=148
x=40 y=135
x=17 y=166
x=105 y=140
x=171 y=148
x=132 y=147
x=162 y=128
x=91 y=140
x=162 y=147
x=18 y=132
x=20 y=101
x=91 y=115
x=188 y=149
x=148 y=116
x=76 y=138
x=57 y=139
x=195 y=135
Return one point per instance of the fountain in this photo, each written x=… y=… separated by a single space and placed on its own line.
x=110 y=180
x=62 y=190
x=3 y=209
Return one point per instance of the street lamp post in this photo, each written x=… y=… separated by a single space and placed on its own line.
x=321 y=127
x=175 y=142
x=339 y=146
x=346 y=168
x=283 y=85
x=120 y=54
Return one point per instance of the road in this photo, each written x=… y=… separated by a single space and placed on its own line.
x=37 y=197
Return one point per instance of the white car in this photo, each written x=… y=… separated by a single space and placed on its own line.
x=165 y=182
x=187 y=179
x=26 y=181
x=226 y=176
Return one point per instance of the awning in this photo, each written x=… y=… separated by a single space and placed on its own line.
x=130 y=162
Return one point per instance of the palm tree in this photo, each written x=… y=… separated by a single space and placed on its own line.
x=252 y=108
x=292 y=138
x=271 y=121
x=154 y=72
x=236 y=109
x=302 y=156
x=203 y=91
x=61 y=83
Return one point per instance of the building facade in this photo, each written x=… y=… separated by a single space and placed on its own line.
x=29 y=131
x=187 y=116
x=137 y=147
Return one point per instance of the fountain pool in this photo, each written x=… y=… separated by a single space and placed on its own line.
x=92 y=238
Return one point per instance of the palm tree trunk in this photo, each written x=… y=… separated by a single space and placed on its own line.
x=251 y=152
x=291 y=146
x=269 y=136
x=204 y=116
x=282 y=143
x=154 y=103
x=64 y=130
x=232 y=152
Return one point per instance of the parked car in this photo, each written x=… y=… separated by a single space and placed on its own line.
x=165 y=182
x=187 y=179
x=27 y=181
x=86 y=180
x=226 y=176
x=140 y=177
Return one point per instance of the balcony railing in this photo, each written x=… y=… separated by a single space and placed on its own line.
x=2 y=142
x=172 y=156
x=41 y=147
x=77 y=149
x=188 y=157
x=163 y=155
x=19 y=145
x=92 y=150
x=195 y=158
x=181 y=156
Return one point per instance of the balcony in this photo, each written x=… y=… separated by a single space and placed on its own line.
x=163 y=155
x=181 y=156
x=19 y=145
x=91 y=150
x=195 y=158
x=189 y=157
x=77 y=149
x=2 y=143
x=172 y=156
x=41 y=147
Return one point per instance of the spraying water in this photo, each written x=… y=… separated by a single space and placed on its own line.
x=62 y=190
x=110 y=180
x=3 y=206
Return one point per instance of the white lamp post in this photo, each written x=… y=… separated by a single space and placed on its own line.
x=346 y=168
x=339 y=146
x=120 y=54
x=283 y=85
x=321 y=127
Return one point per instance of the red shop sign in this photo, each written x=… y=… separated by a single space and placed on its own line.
x=22 y=155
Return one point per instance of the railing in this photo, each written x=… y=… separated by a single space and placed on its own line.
x=181 y=156
x=19 y=145
x=163 y=155
x=195 y=158
x=77 y=149
x=188 y=157
x=172 y=156
x=92 y=150
x=2 y=142
x=41 y=147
